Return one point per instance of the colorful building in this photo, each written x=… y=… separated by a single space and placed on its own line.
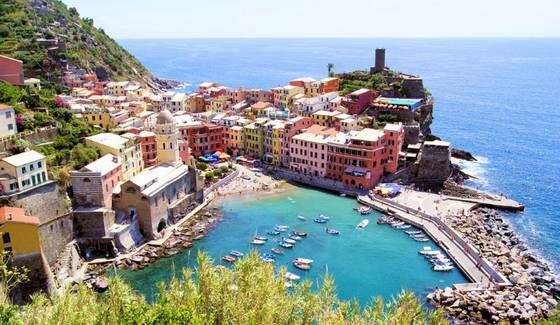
x=22 y=172
x=148 y=146
x=20 y=233
x=98 y=116
x=357 y=101
x=308 y=151
x=253 y=138
x=233 y=139
x=292 y=127
x=325 y=118
x=330 y=85
x=93 y=184
x=202 y=137
x=127 y=149
x=358 y=159
x=7 y=121
x=308 y=105
x=11 y=70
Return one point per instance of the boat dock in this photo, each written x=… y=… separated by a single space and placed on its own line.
x=466 y=257
x=496 y=202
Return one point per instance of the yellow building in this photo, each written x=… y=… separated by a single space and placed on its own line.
x=126 y=148
x=167 y=139
x=278 y=133
x=219 y=104
x=20 y=233
x=325 y=118
x=287 y=94
x=98 y=116
x=253 y=138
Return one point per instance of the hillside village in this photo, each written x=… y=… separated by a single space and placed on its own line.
x=148 y=155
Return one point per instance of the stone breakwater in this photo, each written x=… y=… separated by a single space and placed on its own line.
x=182 y=238
x=535 y=290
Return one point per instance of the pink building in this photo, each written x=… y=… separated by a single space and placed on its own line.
x=357 y=101
x=11 y=70
x=309 y=151
x=184 y=151
x=93 y=184
x=292 y=127
x=148 y=145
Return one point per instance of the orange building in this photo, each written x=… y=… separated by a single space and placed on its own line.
x=11 y=70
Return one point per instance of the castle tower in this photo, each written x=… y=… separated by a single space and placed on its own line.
x=167 y=138
x=379 y=61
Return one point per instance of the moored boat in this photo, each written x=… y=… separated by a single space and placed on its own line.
x=300 y=233
x=302 y=266
x=285 y=245
x=261 y=238
x=302 y=218
x=414 y=232
x=363 y=224
x=257 y=242
x=236 y=253
x=319 y=220
x=364 y=210
x=292 y=277
x=277 y=251
x=427 y=250
x=324 y=217
x=273 y=232
x=421 y=239
x=443 y=268
x=332 y=231
x=295 y=237
x=288 y=240
x=229 y=259
x=281 y=228
x=405 y=226
x=303 y=260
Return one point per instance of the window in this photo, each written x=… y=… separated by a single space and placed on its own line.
x=6 y=238
x=10 y=126
x=31 y=167
x=23 y=170
x=9 y=115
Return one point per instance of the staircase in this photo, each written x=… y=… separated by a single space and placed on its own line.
x=66 y=265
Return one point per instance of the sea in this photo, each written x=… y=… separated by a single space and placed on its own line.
x=497 y=98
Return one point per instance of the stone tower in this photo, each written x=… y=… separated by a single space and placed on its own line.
x=167 y=138
x=379 y=61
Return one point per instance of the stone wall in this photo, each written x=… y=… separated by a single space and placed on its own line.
x=55 y=235
x=36 y=137
x=434 y=162
x=93 y=222
x=411 y=134
x=39 y=275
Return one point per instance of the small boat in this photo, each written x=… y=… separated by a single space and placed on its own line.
x=443 y=268
x=229 y=259
x=364 y=210
x=300 y=233
x=292 y=277
x=261 y=238
x=277 y=251
x=236 y=253
x=405 y=226
x=281 y=228
x=319 y=220
x=363 y=224
x=343 y=194
x=429 y=251
x=382 y=220
x=324 y=217
x=295 y=237
x=302 y=218
x=414 y=232
x=303 y=260
x=288 y=240
x=257 y=242
x=266 y=255
x=273 y=232
x=397 y=224
x=286 y=245
x=331 y=231
x=267 y=260
x=302 y=266
x=421 y=239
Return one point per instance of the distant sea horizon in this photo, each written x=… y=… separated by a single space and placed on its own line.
x=495 y=97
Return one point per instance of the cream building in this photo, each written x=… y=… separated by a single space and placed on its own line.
x=167 y=138
x=126 y=148
x=22 y=171
x=7 y=121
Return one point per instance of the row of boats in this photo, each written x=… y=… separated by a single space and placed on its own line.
x=395 y=223
x=440 y=262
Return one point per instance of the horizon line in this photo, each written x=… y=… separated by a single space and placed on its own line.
x=337 y=37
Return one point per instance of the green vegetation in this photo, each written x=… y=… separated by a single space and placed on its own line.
x=250 y=293
x=201 y=165
x=22 y=26
x=353 y=81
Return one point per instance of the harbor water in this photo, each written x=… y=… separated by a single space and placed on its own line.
x=375 y=261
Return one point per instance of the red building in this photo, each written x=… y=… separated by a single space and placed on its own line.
x=357 y=101
x=329 y=85
x=359 y=158
x=11 y=70
x=202 y=137
x=149 y=146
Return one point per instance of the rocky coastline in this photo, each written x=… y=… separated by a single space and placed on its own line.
x=535 y=290
x=181 y=238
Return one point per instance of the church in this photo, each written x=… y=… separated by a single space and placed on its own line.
x=160 y=195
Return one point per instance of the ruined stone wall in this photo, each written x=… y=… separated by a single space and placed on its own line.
x=411 y=134
x=39 y=275
x=434 y=163
x=93 y=223
x=39 y=136
x=55 y=235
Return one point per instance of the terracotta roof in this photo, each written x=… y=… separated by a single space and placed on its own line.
x=4 y=106
x=261 y=105
x=16 y=215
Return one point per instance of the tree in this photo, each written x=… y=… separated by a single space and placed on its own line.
x=10 y=276
x=20 y=146
x=330 y=67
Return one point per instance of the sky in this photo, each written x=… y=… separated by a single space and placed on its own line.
x=124 y=19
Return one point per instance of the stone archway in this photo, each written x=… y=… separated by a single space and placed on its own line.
x=161 y=225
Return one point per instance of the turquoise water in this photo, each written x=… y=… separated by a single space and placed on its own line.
x=376 y=261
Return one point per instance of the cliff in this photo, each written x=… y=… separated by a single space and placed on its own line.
x=51 y=38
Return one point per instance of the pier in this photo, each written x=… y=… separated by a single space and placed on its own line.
x=466 y=257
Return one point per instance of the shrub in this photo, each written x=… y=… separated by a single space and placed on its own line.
x=202 y=166
x=209 y=176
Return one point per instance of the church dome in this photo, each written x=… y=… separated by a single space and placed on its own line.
x=164 y=117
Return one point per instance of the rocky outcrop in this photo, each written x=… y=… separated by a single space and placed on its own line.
x=462 y=154
x=534 y=293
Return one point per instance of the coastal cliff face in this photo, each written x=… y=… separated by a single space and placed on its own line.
x=51 y=38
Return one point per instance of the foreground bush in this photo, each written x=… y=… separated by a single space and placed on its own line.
x=251 y=293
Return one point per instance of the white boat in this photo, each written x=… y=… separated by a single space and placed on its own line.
x=302 y=218
x=324 y=217
x=288 y=240
x=258 y=242
x=363 y=224
x=292 y=277
x=430 y=252
x=443 y=268
x=303 y=260
x=343 y=194
x=281 y=228
x=397 y=224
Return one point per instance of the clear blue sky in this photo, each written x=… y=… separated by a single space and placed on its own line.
x=323 y=18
